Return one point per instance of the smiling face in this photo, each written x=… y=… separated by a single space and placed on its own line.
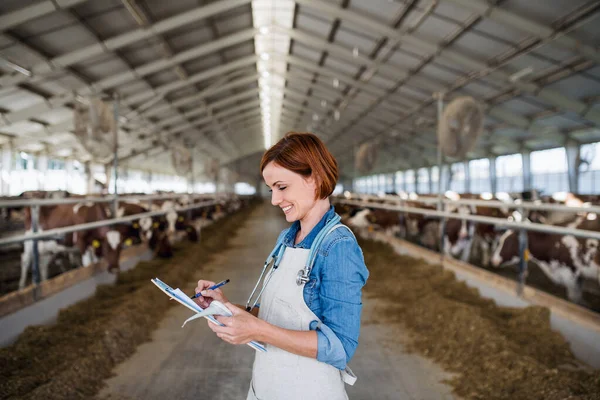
x=293 y=193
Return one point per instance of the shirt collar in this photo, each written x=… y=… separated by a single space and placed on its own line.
x=288 y=241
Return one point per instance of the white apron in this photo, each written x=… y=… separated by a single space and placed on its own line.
x=281 y=375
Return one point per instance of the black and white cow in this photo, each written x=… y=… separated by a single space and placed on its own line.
x=565 y=259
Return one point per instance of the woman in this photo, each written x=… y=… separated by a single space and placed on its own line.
x=310 y=326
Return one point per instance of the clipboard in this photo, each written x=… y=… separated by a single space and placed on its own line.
x=183 y=299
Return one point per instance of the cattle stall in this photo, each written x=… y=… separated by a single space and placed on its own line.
x=62 y=259
x=569 y=270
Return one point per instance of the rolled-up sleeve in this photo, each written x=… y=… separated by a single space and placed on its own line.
x=343 y=276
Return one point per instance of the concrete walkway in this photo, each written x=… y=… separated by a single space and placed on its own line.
x=192 y=363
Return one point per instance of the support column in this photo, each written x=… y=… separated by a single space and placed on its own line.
x=394 y=182
x=467 y=177
x=7 y=167
x=443 y=178
x=493 y=176
x=42 y=169
x=526 y=161
x=69 y=175
x=89 y=177
x=403 y=186
x=573 y=161
x=416 y=175
x=430 y=174
x=449 y=176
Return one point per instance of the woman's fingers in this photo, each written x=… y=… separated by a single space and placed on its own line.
x=216 y=294
x=203 y=301
x=202 y=284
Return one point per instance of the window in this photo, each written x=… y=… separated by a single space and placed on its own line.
x=458 y=178
x=242 y=188
x=423 y=183
x=55 y=165
x=589 y=169
x=399 y=182
x=409 y=177
x=21 y=161
x=508 y=173
x=549 y=170
x=480 y=175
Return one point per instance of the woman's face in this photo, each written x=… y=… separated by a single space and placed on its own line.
x=293 y=193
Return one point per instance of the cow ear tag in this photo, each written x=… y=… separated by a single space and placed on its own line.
x=128 y=242
x=155 y=224
x=180 y=219
x=136 y=226
x=370 y=228
x=96 y=244
x=526 y=255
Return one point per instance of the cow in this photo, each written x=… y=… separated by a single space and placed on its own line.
x=170 y=216
x=486 y=235
x=135 y=231
x=92 y=243
x=458 y=235
x=565 y=259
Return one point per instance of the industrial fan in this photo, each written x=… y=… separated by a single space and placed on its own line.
x=211 y=169
x=94 y=127
x=366 y=157
x=182 y=160
x=460 y=126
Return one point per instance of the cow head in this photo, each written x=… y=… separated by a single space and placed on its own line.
x=171 y=217
x=111 y=249
x=360 y=219
x=145 y=228
x=507 y=251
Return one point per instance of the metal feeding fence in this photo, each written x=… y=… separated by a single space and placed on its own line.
x=35 y=205
x=396 y=203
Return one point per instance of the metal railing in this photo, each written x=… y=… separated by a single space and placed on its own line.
x=107 y=199
x=51 y=233
x=484 y=203
x=521 y=227
x=35 y=205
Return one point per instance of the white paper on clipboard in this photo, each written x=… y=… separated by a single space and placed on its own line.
x=183 y=299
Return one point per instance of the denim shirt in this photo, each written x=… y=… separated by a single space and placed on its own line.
x=334 y=290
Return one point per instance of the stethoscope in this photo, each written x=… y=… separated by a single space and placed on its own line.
x=272 y=262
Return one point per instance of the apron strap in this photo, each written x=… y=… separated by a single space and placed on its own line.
x=348 y=376
x=317 y=243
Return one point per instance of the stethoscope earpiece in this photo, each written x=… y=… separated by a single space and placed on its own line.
x=302 y=277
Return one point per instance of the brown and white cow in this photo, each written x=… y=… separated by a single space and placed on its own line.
x=102 y=242
x=565 y=259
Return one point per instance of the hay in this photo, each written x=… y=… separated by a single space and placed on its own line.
x=494 y=352
x=72 y=358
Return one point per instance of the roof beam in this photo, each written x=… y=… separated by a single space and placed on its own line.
x=540 y=31
x=125 y=39
x=203 y=121
x=502 y=74
x=202 y=95
x=124 y=77
x=197 y=112
x=202 y=76
x=37 y=10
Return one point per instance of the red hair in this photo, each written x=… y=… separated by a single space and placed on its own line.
x=305 y=154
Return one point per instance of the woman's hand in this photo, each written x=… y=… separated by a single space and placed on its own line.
x=208 y=295
x=241 y=328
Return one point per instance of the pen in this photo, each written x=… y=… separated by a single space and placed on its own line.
x=213 y=287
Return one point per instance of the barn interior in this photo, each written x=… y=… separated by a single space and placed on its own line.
x=467 y=140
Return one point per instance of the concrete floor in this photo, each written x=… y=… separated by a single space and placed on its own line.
x=46 y=311
x=192 y=363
